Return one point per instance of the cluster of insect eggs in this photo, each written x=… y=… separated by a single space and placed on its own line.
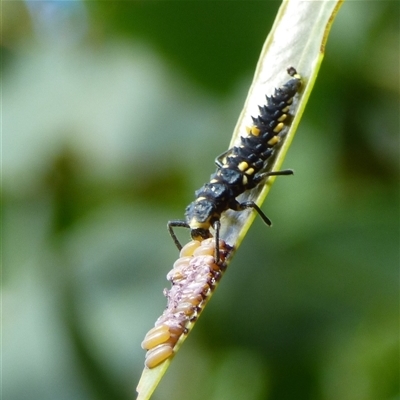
x=193 y=277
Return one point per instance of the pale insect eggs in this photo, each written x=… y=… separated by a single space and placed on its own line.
x=180 y=266
x=204 y=251
x=155 y=336
x=193 y=278
x=157 y=355
x=189 y=248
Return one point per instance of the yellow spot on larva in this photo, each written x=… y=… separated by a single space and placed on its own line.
x=279 y=127
x=248 y=129
x=290 y=101
x=243 y=166
x=282 y=117
x=273 y=140
x=255 y=131
x=244 y=180
x=250 y=171
x=285 y=110
x=200 y=198
x=213 y=181
x=194 y=224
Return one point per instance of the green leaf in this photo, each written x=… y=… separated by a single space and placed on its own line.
x=297 y=39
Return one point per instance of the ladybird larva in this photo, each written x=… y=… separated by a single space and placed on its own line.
x=240 y=168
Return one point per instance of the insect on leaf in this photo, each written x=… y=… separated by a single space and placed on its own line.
x=297 y=39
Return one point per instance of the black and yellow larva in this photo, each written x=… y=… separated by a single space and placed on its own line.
x=240 y=168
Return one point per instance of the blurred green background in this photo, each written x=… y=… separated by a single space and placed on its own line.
x=112 y=114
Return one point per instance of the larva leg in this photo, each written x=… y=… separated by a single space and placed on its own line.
x=173 y=224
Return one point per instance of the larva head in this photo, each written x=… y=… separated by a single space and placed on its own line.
x=295 y=83
x=200 y=215
x=200 y=234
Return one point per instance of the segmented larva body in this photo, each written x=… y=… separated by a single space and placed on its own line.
x=193 y=277
x=242 y=167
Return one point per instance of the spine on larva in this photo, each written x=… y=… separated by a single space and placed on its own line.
x=193 y=277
